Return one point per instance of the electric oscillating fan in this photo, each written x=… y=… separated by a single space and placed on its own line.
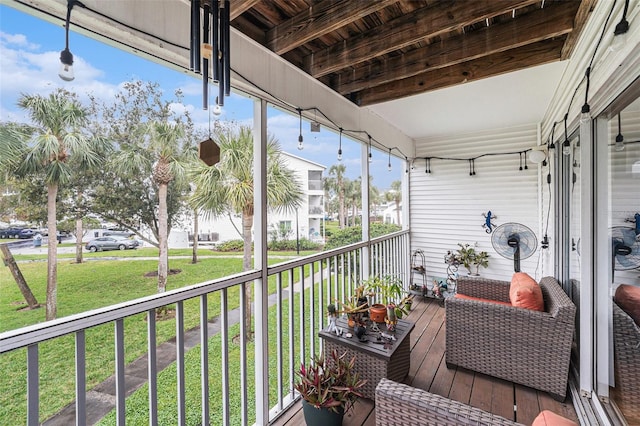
x=514 y=241
x=625 y=253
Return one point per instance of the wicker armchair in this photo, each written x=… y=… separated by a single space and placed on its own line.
x=403 y=405
x=520 y=345
x=626 y=350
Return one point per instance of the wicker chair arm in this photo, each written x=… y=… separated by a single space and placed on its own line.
x=484 y=288
x=509 y=318
x=400 y=404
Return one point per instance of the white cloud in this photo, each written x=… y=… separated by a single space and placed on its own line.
x=19 y=40
x=26 y=71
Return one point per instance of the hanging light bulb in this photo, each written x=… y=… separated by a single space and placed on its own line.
x=389 y=165
x=370 y=154
x=621 y=30
x=585 y=115
x=66 y=65
x=66 y=57
x=619 y=146
x=340 y=146
x=553 y=129
x=300 y=138
x=566 y=145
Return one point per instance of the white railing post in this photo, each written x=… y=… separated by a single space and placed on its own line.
x=366 y=216
x=261 y=291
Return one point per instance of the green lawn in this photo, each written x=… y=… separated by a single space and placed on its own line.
x=147 y=252
x=101 y=283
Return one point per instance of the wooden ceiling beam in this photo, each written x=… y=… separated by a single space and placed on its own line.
x=554 y=20
x=499 y=63
x=422 y=24
x=581 y=16
x=238 y=7
x=319 y=19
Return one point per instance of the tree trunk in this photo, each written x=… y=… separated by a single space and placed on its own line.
x=194 y=257
x=247 y=223
x=17 y=275
x=79 y=232
x=163 y=245
x=341 y=213
x=52 y=253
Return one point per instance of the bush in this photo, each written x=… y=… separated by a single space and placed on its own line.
x=353 y=234
x=290 y=245
x=231 y=245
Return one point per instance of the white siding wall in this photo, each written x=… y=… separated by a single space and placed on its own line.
x=447 y=205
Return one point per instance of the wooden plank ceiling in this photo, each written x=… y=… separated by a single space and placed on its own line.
x=376 y=51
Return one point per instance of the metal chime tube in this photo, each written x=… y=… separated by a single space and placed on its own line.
x=222 y=59
x=191 y=38
x=227 y=48
x=215 y=11
x=195 y=35
x=206 y=38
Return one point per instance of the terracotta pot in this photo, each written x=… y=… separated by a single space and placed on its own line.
x=377 y=312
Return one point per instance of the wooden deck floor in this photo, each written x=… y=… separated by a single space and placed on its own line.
x=428 y=371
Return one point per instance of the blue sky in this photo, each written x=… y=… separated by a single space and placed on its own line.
x=29 y=61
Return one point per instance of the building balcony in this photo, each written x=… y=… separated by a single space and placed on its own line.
x=211 y=373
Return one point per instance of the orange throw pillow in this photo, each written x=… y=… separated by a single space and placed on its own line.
x=628 y=298
x=525 y=292
x=549 y=418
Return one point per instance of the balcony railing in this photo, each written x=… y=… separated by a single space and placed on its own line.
x=317 y=210
x=315 y=185
x=224 y=372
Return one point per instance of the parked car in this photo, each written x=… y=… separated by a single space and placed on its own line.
x=113 y=242
x=12 y=232
x=27 y=233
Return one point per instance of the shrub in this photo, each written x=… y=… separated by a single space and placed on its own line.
x=353 y=234
x=290 y=245
x=231 y=245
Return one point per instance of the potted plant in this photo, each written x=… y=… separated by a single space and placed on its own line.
x=354 y=308
x=329 y=388
x=391 y=292
x=469 y=257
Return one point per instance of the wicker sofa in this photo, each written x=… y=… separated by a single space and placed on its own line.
x=403 y=405
x=626 y=346
x=523 y=346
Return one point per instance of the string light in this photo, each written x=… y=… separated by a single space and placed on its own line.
x=340 y=146
x=66 y=57
x=300 y=138
x=585 y=116
x=389 y=165
x=620 y=32
x=619 y=139
x=566 y=145
x=370 y=153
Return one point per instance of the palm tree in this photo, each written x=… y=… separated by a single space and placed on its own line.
x=335 y=183
x=47 y=148
x=353 y=197
x=165 y=156
x=395 y=195
x=228 y=188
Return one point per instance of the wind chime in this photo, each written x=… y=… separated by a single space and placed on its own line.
x=210 y=48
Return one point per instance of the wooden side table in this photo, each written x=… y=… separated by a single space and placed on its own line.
x=374 y=359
